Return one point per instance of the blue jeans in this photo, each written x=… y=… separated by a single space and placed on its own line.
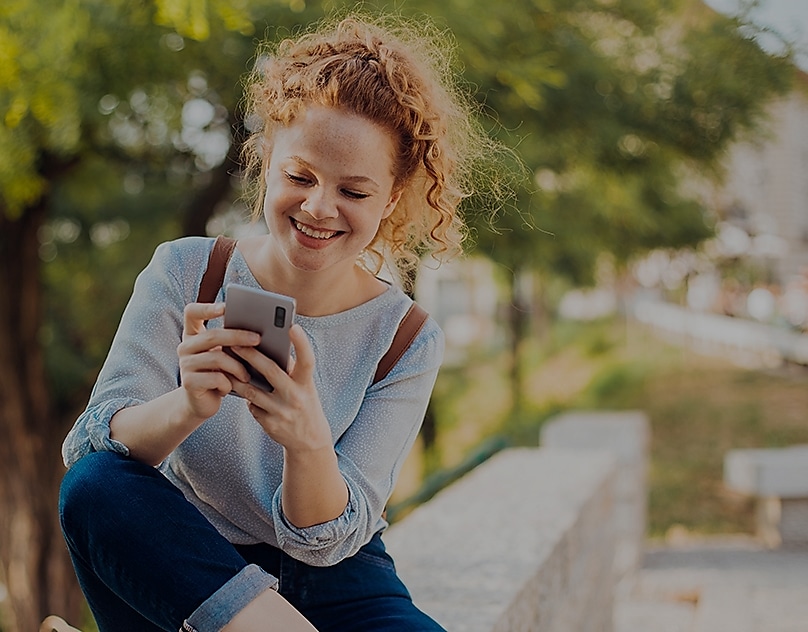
x=147 y=559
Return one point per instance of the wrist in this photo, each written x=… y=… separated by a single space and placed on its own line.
x=184 y=413
x=310 y=454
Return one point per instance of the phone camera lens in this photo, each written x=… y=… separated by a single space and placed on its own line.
x=280 y=316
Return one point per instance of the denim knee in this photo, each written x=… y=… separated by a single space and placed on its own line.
x=128 y=526
x=84 y=485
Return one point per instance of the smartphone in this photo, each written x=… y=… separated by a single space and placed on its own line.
x=265 y=313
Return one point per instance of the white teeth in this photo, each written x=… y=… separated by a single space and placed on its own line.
x=311 y=232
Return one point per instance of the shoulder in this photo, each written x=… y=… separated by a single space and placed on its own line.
x=415 y=338
x=430 y=338
x=360 y=337
x=401 y=311
x=185 y=249
x=177 y=264
x=404 y=305
x=415 y=322
x=184 y=258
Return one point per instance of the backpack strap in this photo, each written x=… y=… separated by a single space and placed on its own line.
x=217 y=265
x=407 y=330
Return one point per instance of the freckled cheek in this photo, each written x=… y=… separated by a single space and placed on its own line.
x=276 y=205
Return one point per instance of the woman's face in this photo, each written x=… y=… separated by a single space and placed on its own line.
x=329 y=185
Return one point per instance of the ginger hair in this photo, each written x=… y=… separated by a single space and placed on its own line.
x=401 y=78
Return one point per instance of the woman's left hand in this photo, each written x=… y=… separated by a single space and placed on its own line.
x=291 y=414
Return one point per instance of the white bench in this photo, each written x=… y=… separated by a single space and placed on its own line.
x=778 y=479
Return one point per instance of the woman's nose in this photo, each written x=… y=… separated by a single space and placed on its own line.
x=319 y=205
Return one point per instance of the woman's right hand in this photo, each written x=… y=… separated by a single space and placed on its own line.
x=204 y=366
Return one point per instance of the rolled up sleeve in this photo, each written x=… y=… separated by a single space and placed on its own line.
x=142 y=362
x=91 y=432
x=321 y=544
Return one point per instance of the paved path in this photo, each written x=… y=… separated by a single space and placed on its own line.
x=717 y=585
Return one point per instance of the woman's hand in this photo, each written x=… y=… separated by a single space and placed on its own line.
x=291 y=414
x=206 y=371
x=153 y=429
x=313 y=490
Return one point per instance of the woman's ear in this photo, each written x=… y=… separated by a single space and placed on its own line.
x=391 y=204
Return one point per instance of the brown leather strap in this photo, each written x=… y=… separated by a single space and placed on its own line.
x=217 y=265
x=407 y=330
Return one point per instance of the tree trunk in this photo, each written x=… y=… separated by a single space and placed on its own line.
x=35 y=566
x=517 y=320
x=202 y=205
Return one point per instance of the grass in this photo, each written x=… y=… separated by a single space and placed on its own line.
x=698 y=407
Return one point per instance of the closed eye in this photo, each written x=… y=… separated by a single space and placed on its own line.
x=296 y=178
x=355 y=195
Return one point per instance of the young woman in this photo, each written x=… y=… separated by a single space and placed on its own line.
x=195 y=501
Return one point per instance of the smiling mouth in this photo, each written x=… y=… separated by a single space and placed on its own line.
x=314 y=233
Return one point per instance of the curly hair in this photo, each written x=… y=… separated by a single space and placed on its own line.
x=401 y=78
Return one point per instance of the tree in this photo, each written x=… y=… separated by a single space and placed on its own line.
x=612 y=106
x=114 y=115
x=39 y=131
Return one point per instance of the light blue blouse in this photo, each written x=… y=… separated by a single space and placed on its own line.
x=229 y=468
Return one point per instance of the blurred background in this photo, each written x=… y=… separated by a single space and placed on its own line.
x=655 y=257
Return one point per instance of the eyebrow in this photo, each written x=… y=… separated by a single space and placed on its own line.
x=351 y=179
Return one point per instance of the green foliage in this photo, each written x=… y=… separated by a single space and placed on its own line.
x=593 y=338
x=39 y=95
x=615 y=385
x=190 y=17
x=609 y=105
x=58 y=60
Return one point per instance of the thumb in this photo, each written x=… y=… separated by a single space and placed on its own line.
x=303 y=365
x=195 y=315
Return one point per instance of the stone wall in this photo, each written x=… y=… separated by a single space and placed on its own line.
x=526 y=541
x=627 y=435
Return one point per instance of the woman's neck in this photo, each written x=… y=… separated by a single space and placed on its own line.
x=317 y=293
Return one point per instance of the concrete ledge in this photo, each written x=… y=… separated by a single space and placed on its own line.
x=627 y=435
x=523 y=542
